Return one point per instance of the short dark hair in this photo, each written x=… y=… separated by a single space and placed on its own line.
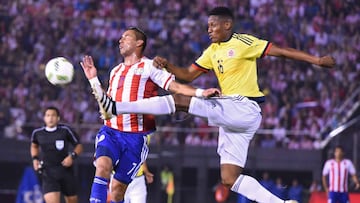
x=221 y=11
x=339 y=147
x=140 y=35
x=54 y=109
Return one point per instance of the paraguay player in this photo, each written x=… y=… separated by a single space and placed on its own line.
x=121 y=142
x=338 y=170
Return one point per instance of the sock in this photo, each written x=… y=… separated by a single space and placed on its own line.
x=160 y=105
x=253 y=190
x=99 y=190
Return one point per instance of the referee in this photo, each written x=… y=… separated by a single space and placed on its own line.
x=55 y=162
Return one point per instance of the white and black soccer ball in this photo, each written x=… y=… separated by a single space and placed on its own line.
x=59 y=71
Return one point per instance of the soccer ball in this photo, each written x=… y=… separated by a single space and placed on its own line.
x=59 y=71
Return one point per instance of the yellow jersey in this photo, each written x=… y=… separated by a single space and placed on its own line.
x=234 y=64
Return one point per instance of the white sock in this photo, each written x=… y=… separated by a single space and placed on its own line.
x=160 y=105
x=253 y=190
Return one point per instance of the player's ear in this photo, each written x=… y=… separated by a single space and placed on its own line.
x=228 y=24
x=139 y=43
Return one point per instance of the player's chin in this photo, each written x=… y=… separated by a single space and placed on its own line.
x=214 y=40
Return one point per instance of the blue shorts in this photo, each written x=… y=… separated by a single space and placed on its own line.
x=127 y=151
x=338 y=197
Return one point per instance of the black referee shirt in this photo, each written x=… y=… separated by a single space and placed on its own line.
x=54 y=145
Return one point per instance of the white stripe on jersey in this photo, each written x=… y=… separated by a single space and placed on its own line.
x=338 y=174
x=143 y=78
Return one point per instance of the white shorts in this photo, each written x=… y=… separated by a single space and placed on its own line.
x=136 y=191
x=237 y=117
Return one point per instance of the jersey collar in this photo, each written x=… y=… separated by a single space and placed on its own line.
x=51 y=129
x=227 y=39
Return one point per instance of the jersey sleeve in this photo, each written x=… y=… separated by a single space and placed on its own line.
x=73 y=137
x=253 y=47
x=326 y=168
x=34 y=138
x=351 y=168
x=161 y=77
x=204 y=61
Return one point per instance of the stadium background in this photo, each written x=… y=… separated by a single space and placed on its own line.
x=304 y=104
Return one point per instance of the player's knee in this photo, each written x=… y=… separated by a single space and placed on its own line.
x=229 y=174
x=228 y=181
x=103 y=167
x=181 y=102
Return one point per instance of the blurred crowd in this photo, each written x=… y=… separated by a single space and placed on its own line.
x=302 y=99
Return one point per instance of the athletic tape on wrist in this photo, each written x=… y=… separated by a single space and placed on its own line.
x=199 y=92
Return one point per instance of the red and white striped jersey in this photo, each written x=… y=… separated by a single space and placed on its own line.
x=131 y=83
x=338 y=174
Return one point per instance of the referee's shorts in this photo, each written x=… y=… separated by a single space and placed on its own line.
x=59 y=179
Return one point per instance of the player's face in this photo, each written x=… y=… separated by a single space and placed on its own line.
x=217 y=29
x=51 y=118
x=127 y=43
x=339 y=153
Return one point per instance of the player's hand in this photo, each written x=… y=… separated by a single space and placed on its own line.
x=160 y=62
x=211 y=92
x=357 y=186
x=149 y=177
x=88 y=66
x=327 y=61
x=67 y=162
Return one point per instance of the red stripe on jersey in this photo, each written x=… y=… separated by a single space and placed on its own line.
x=150 y=91
x=134 y=122
x=167 y=81
x=108 y=123
x=266 y=50
x=345 y=180
x=119 y=92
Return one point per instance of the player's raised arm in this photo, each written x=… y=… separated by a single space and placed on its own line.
x=185 y=74
x=88 y=67
x=325 y=61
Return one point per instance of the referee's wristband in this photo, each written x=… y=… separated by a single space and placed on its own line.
x=199 y=92
x=73 y=155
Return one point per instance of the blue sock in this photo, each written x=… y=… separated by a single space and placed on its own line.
x=99 y=190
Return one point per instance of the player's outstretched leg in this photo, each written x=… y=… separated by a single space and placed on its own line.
x=253 y=190
x=106 y=105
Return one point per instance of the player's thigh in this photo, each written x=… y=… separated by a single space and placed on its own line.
x=344 y=197
x=236 y=113
x=233 y=146
x=132 y=157
x=107 y=144
x=333 y=197
x=52 y=197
